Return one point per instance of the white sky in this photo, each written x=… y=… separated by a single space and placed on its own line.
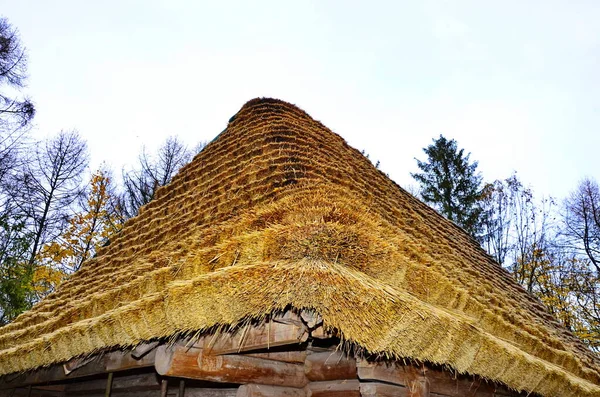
x=516 y=83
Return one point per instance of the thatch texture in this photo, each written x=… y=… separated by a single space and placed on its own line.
x=279 y=211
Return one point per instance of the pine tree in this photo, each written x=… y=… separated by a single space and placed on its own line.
x=450 y=183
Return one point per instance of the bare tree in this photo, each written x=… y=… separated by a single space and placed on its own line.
x=140 y=184
x=14 y=112
x=497 y=203
x=582 y=220
x=49 y=184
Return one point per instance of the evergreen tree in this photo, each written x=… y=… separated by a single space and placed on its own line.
x=451 y=184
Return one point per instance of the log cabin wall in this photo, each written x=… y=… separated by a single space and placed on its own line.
x=299 y=370
x=290 y=355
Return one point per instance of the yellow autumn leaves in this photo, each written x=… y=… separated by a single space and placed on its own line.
x=85 y=233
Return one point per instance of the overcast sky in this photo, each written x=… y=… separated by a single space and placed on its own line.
x=516 y=83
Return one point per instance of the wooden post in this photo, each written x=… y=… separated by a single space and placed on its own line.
x=109 y=381
x=164 y=387
x=29 y=391
x=181 y=388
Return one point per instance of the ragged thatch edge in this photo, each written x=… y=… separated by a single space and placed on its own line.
x=555 y=380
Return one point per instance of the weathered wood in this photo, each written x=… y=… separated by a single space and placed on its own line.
x=75 y=363
x=391 y=373
x=181 y=391
x=210 y=392
x=109 y=381
x=329 y=365
x=320 y=333
x=432 y=380
x=124 y=361
x=311 y=319
x=193 y=363
x=375 y=389
x=128 y=383
x=36 y=391
x=109 y=362
x=143 y=349
x=338 y=388
x=164 y=387
x=418 y=387
x=285 y=330
x=292 y=356
x=252 y=390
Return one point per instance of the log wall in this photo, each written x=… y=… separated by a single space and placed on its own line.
x=278 y=358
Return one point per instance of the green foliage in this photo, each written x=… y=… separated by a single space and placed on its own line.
x=15 y=272
x=450 y=183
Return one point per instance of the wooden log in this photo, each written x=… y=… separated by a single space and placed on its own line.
x=34 y=391
x=193 y=363
x=418 y=387
x=428 y=379
x=376 y=389
x=319 y=333
x=143 y=349
x=329 y=365
x=130 y=383
x=411 y=378
x=210 y=392
x=252 y=390
x=75 y=363
x=311 y=319
x=292 y=356
x=124 y=361
x=101 y=364
x=391 y=373
x=338 y=388
x=280 y=331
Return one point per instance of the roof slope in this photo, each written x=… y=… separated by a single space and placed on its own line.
x=280 y=211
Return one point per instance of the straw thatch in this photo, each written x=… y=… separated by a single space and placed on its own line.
x=278 y=212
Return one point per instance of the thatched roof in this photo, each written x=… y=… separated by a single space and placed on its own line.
x=280 y=212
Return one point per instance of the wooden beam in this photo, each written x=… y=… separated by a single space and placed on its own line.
x=311 y=319
x=376 y=389
x=424 y=379
x=143 y=349
x=291 y=356
x=329 y=365
x=194 y=363
x=100 y=364
x=129 y=383
x=252 y=390
x=75 y=363
x=338 y=388
x=124 y=361
x=285 y=330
